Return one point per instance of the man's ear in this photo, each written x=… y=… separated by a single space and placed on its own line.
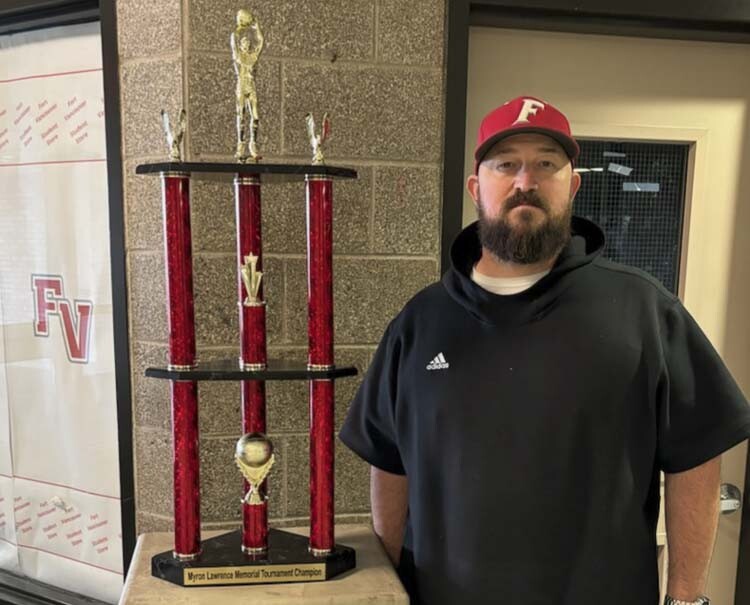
x=472 y=186
x=575 y=184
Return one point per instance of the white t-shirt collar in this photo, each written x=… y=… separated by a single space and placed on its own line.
x=506 y=285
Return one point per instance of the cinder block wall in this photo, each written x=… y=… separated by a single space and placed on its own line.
x=377 y=67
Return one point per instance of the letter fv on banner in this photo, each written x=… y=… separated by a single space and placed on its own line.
x=49 y=299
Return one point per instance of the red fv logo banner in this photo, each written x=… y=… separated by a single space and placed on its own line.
x=75 y=317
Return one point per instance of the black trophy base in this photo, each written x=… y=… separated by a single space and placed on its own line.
x=222 y=562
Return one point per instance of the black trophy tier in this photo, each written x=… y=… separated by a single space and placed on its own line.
x=271 y=173
x=229 y=369
x=222 y=562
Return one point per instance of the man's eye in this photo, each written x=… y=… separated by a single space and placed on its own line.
x=505 y=165
x=546 y=164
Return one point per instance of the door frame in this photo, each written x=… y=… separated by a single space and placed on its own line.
x=25 y=15
x=718 y=21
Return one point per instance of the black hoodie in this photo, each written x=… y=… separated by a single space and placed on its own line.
x=533 y=426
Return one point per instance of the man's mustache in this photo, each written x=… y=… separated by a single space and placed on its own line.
x=529 y=198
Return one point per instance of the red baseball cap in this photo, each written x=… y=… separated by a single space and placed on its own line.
x=524 y=114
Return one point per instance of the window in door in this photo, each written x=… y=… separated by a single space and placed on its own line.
x=635 y=191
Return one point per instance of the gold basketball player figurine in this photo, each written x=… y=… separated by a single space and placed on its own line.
x=174 y=139
x=251 y=278
x=317 y=140
x=254 y=457
x=247 y=44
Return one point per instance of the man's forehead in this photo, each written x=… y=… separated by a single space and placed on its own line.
x=538 y=142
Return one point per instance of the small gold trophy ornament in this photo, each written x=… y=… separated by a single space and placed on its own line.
x=317 y=140
x=251 y=278
x=247 y=45
x=174 y=139
x=254 y=457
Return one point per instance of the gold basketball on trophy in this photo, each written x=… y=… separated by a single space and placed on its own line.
x=254 y=457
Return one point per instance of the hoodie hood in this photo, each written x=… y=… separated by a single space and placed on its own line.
x=586 y=243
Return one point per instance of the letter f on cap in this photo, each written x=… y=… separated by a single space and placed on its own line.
x=530 y=107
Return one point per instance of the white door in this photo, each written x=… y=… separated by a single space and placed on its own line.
x=664 y=90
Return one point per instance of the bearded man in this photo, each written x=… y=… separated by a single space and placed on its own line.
x=518 y=413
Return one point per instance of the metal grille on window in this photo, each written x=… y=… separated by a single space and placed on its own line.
x=636 y=193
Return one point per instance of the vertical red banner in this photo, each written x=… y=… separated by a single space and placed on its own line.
x=252 y=313
x=184 y=394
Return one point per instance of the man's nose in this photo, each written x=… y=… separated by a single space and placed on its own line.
x=525 y=179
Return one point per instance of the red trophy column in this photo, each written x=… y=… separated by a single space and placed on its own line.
x=184 y=394
x=319 y=192
x=253 y=342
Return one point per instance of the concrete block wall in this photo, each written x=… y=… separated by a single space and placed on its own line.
x=377 y=67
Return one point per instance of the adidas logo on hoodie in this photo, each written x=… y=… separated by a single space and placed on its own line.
x=439 y=363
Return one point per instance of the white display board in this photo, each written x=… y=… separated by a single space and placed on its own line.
x=59 y=472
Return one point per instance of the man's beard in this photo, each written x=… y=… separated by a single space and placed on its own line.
x=525 y=242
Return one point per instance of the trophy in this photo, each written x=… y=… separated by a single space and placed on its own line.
x=174 y=139
x=247 y=45
x=253 y=553
x=254 y=457
x=317 y=140
x=251 y=278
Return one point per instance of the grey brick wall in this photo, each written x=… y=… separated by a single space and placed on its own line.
x=377 y=67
